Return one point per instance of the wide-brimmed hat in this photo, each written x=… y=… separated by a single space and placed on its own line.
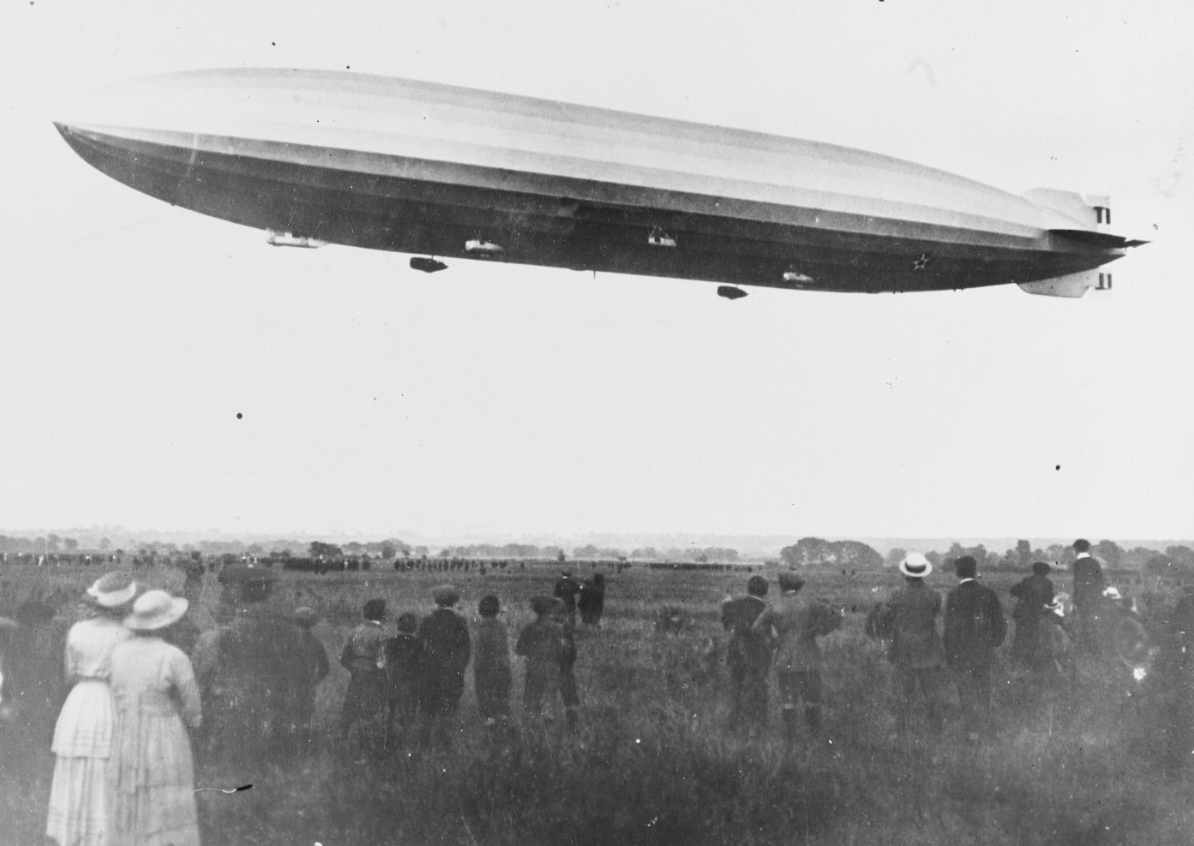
x=915 y=565
x=113 y=590
x=155 y=609
x=445 y=595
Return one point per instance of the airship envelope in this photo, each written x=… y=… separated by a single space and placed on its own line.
x=320 y=157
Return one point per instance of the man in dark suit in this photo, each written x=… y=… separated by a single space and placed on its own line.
x=974 y=628
x=1088 y=598
x=447 y=647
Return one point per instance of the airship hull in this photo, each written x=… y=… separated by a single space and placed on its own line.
x=428 y=169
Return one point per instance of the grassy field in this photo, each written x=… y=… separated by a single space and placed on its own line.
x=656 y=760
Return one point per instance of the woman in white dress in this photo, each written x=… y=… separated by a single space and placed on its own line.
x=83 y=735
x=152 y=769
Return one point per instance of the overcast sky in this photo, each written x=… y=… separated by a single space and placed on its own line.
x=503 y=400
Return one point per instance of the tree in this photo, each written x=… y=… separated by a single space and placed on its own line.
x=1109 y=552
x=319 y=549
x=70 y=544
x=857 y=555
x=894 y=556
x=807 y=551
x=1023 y=556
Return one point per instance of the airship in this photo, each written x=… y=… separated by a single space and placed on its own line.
x=443 y=173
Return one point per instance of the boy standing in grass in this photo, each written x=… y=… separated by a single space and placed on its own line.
x=364 y=656
x=748 y=655
x=797 y=621
x=316 y=659
x=541 y=643
x=491 y=667
x=406 y=665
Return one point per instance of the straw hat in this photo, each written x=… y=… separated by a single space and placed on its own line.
x=916 y=565
x=113 y=589
x=155 y=609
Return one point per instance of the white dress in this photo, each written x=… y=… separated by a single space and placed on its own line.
x=153 y=776
x=83 y=736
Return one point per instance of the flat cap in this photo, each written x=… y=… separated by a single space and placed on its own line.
x=446 y=595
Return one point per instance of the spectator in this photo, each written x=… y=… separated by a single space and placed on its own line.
x=797 y=622
x=1033 y=594
x=974 y=629
x=748 y=655
x=1088 y=598
x=445 y=639
x=365 y=658
x=491 y=667
x=406 y=665
x=315 y=657
x=541 y=644
x=591 y=600
x=156 y=699
x=82 y=744
x=910 y=615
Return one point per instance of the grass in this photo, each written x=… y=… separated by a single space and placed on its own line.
x=656 y=761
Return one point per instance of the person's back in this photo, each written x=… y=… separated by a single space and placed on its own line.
x=565 y=590
x=915 y=642
x=445 y=637
x=542 y=644
x=254 y=673
x=405 y=662
x=492 y=676
x=798 y=621
x=591 y=600
x=974 y=626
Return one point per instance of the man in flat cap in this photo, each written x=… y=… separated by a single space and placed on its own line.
x=974 y=629
x=748 y=655
x=251 y=672
x=447 y=648
x=796 y=622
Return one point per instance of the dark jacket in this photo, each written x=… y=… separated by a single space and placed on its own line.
x=445 y=639
x=1088 y=583
x=748 y=650
x=912 y=613
x=974 y=626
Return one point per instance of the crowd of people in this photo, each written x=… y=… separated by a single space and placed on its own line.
x=155 y=687
x=1051 y=634
x=157 y=684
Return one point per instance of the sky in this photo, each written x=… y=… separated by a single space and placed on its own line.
x=164 y=370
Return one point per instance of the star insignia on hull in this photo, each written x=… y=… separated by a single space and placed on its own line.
x=921 y=262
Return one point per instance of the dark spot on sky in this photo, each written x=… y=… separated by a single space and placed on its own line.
x=239 y=415
x=1058 y=467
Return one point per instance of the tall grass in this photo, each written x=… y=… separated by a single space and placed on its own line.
x=656 y=760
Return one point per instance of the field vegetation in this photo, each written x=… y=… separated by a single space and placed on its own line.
x=656 y=760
